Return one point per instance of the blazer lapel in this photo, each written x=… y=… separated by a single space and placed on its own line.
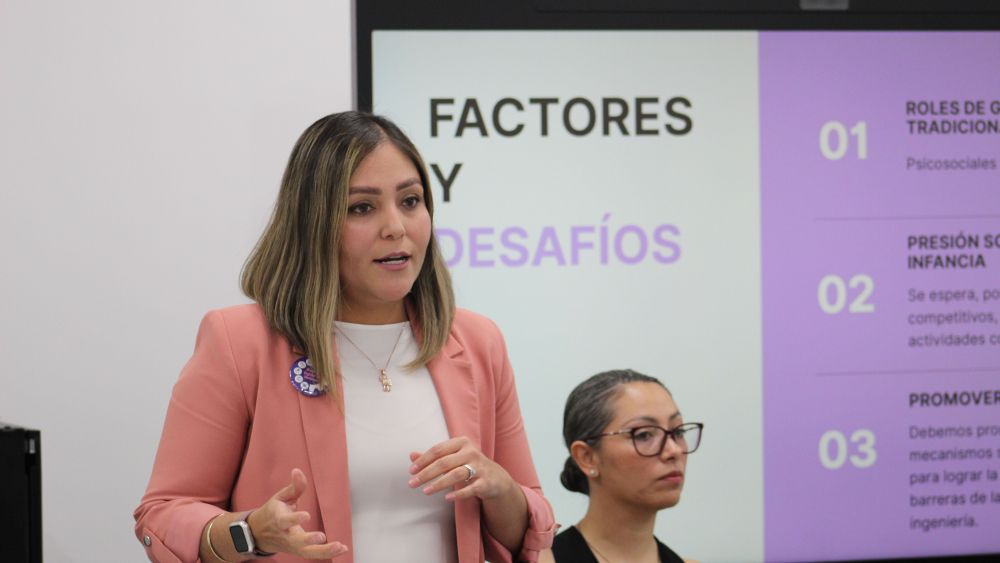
x=454 y=382
x=326 y=446
x=456 y=388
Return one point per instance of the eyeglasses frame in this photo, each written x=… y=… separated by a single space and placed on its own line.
x=666 y=434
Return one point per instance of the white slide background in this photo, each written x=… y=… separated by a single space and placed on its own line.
x=694 y=323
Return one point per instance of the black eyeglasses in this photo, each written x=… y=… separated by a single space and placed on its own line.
x=649 y=441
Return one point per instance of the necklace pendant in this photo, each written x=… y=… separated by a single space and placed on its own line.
x=386 y=382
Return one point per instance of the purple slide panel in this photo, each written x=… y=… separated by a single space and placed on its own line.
x=880 y=179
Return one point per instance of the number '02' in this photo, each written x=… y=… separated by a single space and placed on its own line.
x=832 y=294
x=834 y=140
x=834 y=451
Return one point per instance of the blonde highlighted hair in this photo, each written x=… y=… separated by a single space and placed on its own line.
x=293 y=272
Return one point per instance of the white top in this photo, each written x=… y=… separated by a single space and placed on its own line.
x=391 y=521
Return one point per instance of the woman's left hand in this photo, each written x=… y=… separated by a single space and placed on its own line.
x=446 y=462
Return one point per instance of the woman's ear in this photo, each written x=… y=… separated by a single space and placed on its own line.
x=586 y=458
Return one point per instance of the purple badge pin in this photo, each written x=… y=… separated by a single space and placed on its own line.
x=304 y=378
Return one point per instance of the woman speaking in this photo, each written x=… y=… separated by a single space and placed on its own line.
x=351 y=411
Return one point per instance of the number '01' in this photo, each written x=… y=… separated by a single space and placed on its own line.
x=834 y=140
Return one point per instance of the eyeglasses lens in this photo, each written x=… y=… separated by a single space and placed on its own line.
x=650 y=440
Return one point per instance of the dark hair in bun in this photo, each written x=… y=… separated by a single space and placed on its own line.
x=588 y=412
x=574 y=479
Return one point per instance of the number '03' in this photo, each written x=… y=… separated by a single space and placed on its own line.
x=834 y=450
x=834 y=140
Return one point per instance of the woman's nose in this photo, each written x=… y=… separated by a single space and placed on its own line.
x=671 y=448
x=392 y=224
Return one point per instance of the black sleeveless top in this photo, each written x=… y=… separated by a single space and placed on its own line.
x=570 y=547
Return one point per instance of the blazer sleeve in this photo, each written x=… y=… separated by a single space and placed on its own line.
x=513 y=454
x=200 y=450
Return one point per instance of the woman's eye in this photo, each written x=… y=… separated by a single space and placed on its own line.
x=359 y=208
x=643 y=435
x=411 y=201
x=679 y=433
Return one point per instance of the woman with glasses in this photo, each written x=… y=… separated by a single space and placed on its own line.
x=628 y=446
x=351 y=411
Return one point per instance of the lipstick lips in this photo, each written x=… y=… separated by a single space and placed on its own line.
x=673 y=476
x=394 y=258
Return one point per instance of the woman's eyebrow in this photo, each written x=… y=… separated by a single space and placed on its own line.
x=370 y=190
x=407 y=183
x=650 y=419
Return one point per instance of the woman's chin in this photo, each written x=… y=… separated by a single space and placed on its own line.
x=396 y=295
x=666 y=500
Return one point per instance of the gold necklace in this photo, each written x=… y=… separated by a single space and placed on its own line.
x=592 y=548
x=383 y=377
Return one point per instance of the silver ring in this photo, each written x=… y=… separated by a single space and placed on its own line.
x=472 y=472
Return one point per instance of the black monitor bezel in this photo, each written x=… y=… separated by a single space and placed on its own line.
x=720 y=15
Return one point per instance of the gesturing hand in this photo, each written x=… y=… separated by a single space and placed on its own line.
x=277 y=527
x=447 y=462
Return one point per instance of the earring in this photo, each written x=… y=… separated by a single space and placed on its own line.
x=593 y=473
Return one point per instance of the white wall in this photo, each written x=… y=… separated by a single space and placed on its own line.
x=141 y=146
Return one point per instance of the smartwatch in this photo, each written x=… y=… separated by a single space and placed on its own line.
x=243 y=542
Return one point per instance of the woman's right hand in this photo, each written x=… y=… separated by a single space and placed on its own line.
x=277 y=526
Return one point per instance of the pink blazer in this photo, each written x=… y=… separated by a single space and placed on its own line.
x=235 y=428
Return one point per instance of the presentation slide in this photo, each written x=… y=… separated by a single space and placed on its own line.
x=794 y=231
x=881 y=239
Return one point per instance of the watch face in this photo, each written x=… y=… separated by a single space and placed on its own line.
x=241 y=536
